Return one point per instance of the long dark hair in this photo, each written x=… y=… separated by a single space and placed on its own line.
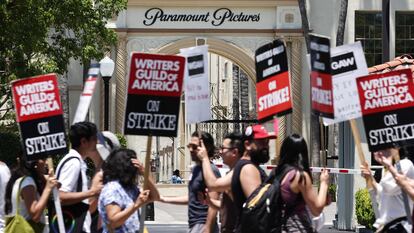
x=294 y=153
x=19 y=169
x=118 y=167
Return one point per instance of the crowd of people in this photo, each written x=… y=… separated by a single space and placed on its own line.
x=109 y=201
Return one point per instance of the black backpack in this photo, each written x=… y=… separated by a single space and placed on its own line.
x=264 y=210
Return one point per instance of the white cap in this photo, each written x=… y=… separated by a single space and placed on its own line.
x=109 y=143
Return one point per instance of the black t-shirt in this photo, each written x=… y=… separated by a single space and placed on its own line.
x=197 y=207
x=238 y=195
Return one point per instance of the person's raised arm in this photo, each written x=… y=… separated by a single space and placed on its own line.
x=402 y=180
x=36 y=206
x=315 y=201
x=154 y=194
x=212 y=182
x=367 y=174
x=117 y=217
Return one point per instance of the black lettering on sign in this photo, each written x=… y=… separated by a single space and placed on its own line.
x=343 y=63
x=195 y=65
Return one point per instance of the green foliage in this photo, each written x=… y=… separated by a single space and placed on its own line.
x=363 y=208
x=122 y=140
x=41 y=36
x=332 y=192
x=10 y=147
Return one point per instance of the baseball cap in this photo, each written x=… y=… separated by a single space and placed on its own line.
x=107 y=142
x=258 y=132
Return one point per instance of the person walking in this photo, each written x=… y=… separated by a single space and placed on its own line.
x=175 y=178
x=246 y=175
x=107 y=142
x=201 y=217
x=121 y=198
x=231 y=151
x=71 y=173
x=28 y=192
x=387 y=196
x=297 y=186
x=4 y=179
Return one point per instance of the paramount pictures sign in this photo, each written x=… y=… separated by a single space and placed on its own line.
x=208 y=17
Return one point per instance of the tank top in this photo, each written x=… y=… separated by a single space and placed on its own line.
x=292 y=199
x=236 y=188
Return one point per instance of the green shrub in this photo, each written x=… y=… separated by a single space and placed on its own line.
x=122 y=140
x=10 y=147
x=363 y=208
x=332 y=192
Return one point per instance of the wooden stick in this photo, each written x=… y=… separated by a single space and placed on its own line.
x=357 y=139
x=56 y=200
x=146 y=183
x=147 y=163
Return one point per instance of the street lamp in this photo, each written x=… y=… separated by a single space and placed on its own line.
x=107 y=69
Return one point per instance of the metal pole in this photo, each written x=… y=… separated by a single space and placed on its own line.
x=345 y=202
x=106 y=92
x=385 y=30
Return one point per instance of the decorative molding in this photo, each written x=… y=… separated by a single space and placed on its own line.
x=120 y=75
x=149 y=43
x=214 y=3
x=294 y=32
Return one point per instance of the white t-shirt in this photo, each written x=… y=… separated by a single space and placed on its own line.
x=4 y=179
x=27 y=181
x=68 y=177
x=389 y=196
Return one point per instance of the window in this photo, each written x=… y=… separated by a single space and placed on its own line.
x=404 y=33
x=368 y=30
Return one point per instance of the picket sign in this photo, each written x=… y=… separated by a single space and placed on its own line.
x=153 y=101
x=40 y=116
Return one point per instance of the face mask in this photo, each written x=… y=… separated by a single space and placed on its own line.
x=259 y=156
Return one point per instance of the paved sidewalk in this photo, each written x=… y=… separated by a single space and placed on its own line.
x=168 y=214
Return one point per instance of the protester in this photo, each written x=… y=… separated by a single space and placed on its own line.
x=107 y=142
x=230 y=151
x=4 y=179
x=121 y=198
x=175 y=178
x=30 y=187
x=387 y=196
x=297 y=186
x=246 y=174
x=71 y=173
x=201 y=217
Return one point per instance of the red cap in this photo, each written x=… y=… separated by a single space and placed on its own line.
x=258 y=132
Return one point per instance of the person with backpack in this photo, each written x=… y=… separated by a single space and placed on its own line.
x=71 y=173
x=28 y=191
x=393 y=206
x=246 y=176
x=296 y=186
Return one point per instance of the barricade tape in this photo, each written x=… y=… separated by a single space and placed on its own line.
x=313 y=169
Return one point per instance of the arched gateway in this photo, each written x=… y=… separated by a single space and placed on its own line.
x=233 y=29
